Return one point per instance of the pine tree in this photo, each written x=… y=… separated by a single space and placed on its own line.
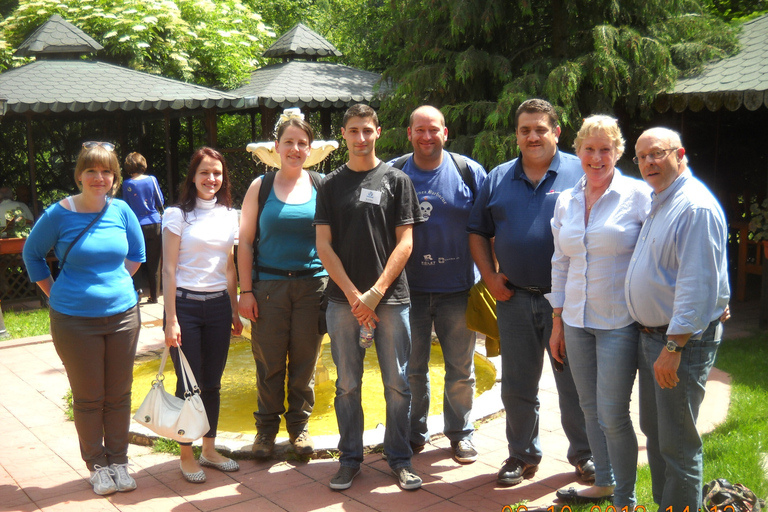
x=479 y=59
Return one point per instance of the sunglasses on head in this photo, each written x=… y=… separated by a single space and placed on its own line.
x=92 y=144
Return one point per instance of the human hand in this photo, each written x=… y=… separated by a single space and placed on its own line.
x=248 y=307
x=237 y=324
x=172 y=333
x=557 y=340
x=497 y=285
x=665 y=368
x=726 y=314
x=364 y=314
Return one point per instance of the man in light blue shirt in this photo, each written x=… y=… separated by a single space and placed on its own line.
x=440 y=273
x=676 y=289
x=513 y=209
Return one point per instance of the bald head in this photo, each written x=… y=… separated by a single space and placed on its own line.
x=661 y=157
x=428 y=134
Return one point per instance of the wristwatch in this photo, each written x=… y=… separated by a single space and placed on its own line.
x=673 y=347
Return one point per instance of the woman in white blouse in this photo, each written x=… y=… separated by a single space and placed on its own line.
x=200 y=292
x=595 y=228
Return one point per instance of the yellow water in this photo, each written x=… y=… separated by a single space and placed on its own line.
x=238 y=388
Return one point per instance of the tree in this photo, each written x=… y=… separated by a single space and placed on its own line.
x=215 y=43
x=478 y=60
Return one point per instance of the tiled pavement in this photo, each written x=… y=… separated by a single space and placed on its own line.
x=41 y=469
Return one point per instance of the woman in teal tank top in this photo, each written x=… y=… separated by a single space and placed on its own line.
x=282 y=300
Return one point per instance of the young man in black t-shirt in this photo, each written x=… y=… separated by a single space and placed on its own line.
x=364 y=220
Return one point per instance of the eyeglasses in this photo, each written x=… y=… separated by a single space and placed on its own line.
x=93 y=143
x=657 y=154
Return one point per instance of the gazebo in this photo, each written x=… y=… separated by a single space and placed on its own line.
x=301 y=81
x=61 y=84
x=722 y=114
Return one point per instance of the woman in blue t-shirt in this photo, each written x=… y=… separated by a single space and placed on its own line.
x=282 y=301
x=142 y=193
x=94 y=308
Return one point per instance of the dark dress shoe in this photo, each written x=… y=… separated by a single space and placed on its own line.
x=417 y=448
x=514 y=471
x=571 y=496
x=585 y=468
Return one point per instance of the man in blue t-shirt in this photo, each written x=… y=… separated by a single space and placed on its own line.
x=514 y=209
x=440 y=273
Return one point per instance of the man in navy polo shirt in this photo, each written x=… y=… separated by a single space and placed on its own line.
x=513 y=210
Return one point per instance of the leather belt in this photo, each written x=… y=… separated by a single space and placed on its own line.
x=535 y=290
x=289 y=273
x=199 y=296
x=653 y=330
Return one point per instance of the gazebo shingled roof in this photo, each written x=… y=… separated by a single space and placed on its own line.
x=302 y=42
x=740 y=79
x=57 y=36
x=310 y=84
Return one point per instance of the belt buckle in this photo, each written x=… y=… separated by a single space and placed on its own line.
x=292 y=273
x=533 y=289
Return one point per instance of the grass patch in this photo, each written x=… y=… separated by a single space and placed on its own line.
x=22 y=324
x=68 y=402
x=735 y=448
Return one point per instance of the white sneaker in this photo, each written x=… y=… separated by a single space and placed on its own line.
x=123 y=481
x=101 y=479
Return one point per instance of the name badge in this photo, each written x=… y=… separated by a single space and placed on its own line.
x=370 y=196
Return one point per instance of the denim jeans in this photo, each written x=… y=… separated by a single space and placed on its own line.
x=393 y=346
x=603 y=364
x=525 y=324
x=285 y=344
x=447 y=312
x=206 y=327
x=98 y=354
x=668 y=418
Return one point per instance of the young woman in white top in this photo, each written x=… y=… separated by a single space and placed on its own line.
x=200 y=292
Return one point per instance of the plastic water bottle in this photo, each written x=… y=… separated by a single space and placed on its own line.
x=366 y=337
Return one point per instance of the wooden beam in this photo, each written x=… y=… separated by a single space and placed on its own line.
x=32 y=164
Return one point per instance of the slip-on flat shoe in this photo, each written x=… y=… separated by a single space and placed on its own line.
x=197 y=477
x=228 y=466
x=571 y=495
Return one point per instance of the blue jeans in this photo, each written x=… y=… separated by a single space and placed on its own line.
x=604 y=364
x=393 y=346
x=447 y=312
x=525 y=324
x=206 y=327
x=668 y=418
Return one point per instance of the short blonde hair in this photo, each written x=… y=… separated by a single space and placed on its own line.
x=98 y=155
x=599 y=124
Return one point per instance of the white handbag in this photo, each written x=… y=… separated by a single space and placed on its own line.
x=183 y=420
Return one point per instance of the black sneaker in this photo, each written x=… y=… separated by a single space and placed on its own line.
x=464 y=451
x=343 y=478
x=406 y=478
x=514 y=471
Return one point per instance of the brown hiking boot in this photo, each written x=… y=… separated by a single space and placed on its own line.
x=302 y=443
x=263 y=445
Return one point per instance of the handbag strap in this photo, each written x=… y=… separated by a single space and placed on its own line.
x=185 y=370
x=80 y=235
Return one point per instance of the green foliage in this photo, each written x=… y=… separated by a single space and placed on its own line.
x=16 y=224
x=737 y=9
x=23 y=324
x=758 y=224
x=212 y=43
x=478 y=61
x=68 y=405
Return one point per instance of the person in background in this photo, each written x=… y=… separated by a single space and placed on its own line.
x=440 y=273
x=595 y=228
x=142 y=193
x=281 y=289
x=94 y=312
x=200 y=292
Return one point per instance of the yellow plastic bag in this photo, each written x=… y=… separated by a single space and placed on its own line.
x=481 y=317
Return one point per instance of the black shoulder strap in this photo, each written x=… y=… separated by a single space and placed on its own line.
x=463 y=167
x=400 y=163
x=317 y=179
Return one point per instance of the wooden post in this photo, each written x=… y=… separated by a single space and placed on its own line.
x=32 y=165
x=168 y=160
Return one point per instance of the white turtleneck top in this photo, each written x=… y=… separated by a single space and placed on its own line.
x=207 y=237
